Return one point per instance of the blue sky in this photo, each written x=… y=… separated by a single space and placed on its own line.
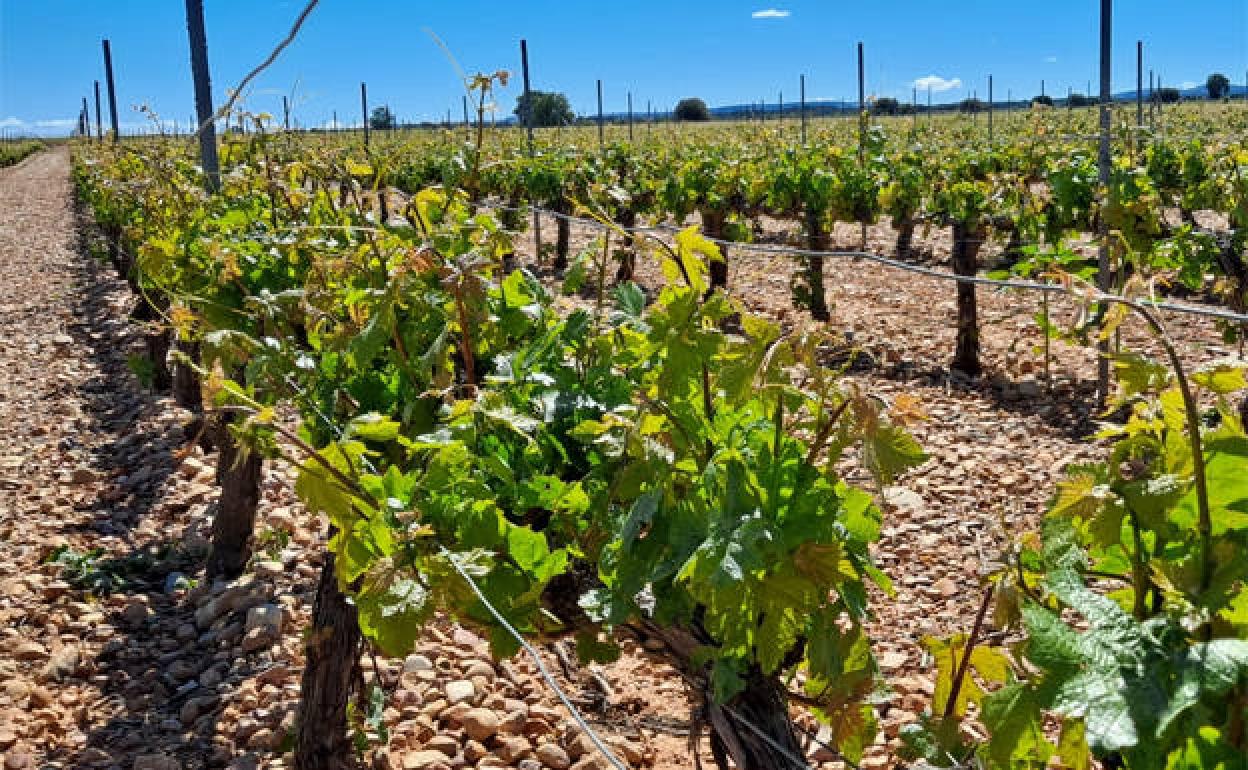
x=723 y=51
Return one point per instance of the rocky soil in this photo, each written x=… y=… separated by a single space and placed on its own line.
x=114 y=653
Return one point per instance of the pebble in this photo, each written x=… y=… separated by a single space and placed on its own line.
x=460 y=691
x=512 y=748
x=553 y=756
x=28 y=650
x=480 y=724
x=62 y=663
x=425 y=760
x=19 y=760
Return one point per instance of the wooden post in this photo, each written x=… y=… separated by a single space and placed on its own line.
x=630 y=116
x=1152 y=97
x=601 y=139
x=285 y=113
x=914 y=105
x=467 y=122
x=528 y=127
x=990 y=109
x=364 y=109
x=1139 y=85
x=112 y=90
x=803 y=107
x=84 y=122
x=99 y=121
x=862 y=98
x=1103 y=166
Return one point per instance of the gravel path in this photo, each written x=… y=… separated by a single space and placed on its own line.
x=82 y=455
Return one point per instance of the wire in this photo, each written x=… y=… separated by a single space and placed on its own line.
x=541 y=666
x=1173 y=307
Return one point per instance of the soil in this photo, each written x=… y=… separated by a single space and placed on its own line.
x=121 y=656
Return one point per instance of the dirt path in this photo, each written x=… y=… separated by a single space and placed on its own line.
x=83 y=455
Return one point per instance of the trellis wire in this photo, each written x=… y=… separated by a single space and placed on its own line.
x=782 y=251
x=541 y=666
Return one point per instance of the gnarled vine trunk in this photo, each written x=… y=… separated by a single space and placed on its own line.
x=186 y=386
x=627 y=266
x=735 y=727
x=238 y=475
x=156 y=340
x=713 y=225
x=331 y=669
x=816 y=240
x=563 y=237
x=966 y=244
x=905 y=238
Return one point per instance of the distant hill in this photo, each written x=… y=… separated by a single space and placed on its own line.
x=819 y=107
x=1196 y=92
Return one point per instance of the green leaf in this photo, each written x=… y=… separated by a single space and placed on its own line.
x=630 y=299
x=373 y=427
x=1014 y=716
x=888 y=450
x=1221 y=377
x=1101 y=700
x=1051 y=644
x=1207 y=670
x=592 y=647
x=726 y=680
x=1139 y=375
x=695 y=252
x=392 y=612
x=533 y=555
x=1226 y=474
x=1072 y=747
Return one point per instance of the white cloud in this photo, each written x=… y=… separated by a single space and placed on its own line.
x=1050 y=60
x=937 y=83
x=1186 y=84
x=770 y=13
x=57 y=123
x=11 y=123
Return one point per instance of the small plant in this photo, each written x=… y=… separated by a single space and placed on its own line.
x=83 y=570
x=142 y=368
x=273 y=541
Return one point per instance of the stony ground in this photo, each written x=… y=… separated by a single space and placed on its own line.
x=114 y=654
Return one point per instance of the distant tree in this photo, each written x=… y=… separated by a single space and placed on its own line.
x=1218 y=85
x=381 y=119
x=971 y=105
x=692 y=108
x=1168 y=95
x=1044 y=99
x=1081 y=100
x=885 y=105
x=549 y=109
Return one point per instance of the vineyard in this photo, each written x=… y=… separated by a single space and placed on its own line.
x=16 y=152
x=878 y=442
